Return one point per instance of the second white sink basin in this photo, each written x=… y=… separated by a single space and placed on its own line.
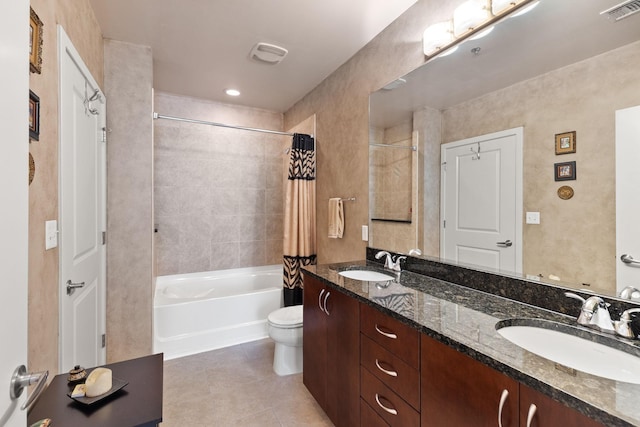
x=547 y=339
x=366 y=275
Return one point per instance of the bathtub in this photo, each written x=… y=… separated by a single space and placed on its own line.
x=198 y=312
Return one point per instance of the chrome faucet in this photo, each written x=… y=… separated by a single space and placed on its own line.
x=389 y=262
x=594 y=313
x=630 y=293
x=622 y=326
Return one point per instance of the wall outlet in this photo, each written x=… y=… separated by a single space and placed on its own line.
x=533 y=218
x=50 y=234
x=365 y=233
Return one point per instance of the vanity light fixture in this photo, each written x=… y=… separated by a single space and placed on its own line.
x=232 y=92
x=437 y=36
x=469 y=15
x=472 y=19
x=526 y=9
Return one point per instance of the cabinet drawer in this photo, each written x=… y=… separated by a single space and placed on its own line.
x=387 y=404
x=391 y=370
x=369 y=418
x=398 y=338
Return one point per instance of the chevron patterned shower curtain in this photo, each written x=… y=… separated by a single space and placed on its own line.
x=300 y=217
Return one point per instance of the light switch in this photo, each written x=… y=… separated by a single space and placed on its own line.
x=533 y=217
x=365 y=233
x=51 y=234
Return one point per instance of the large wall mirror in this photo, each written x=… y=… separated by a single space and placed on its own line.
x=563 y=67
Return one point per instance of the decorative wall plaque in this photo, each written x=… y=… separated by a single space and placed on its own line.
x=565 y=192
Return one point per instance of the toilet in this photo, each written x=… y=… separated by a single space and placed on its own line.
x=285 y=328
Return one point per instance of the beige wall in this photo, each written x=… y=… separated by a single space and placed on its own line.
x=341 y=105
x=218 y=192
x=128 y=87
x=576 y=238
x=79 y=22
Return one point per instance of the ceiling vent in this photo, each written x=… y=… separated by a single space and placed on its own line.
x=268 y=53
x=623 y=10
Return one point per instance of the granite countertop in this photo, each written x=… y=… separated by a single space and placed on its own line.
x=465 y=319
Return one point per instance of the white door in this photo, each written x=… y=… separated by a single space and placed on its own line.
x=14 y=193
x=481 y=201
x=627 y=200
x=82 y=212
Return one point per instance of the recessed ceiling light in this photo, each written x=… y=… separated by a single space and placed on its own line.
x=232 y=92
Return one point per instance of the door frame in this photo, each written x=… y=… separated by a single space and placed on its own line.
x=518 y=132
x=65 y=47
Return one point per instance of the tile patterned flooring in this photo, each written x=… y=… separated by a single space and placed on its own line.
x=236 y=386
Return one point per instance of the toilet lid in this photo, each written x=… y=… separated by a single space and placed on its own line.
x=287 y=316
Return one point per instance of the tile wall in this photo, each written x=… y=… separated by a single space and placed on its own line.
x=218 y=191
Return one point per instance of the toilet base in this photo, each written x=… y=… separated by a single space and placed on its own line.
x=287 y=360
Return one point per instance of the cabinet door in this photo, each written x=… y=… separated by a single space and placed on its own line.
x=549 y=413
x=343 y=355
x=314 y=342
x=459 y=391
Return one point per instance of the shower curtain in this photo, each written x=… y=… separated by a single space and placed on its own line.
x=300 y=217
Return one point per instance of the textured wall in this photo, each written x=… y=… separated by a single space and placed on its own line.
x=218 y=191
x=576 y=238
x=128 y=87
x=341 y=105
x=79 y=22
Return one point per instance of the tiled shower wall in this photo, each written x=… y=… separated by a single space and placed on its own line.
x=219 y=192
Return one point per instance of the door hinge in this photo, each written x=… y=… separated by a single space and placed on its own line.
x=104 y=237
x=444 y=224
x=103 y=137
x=104 y=340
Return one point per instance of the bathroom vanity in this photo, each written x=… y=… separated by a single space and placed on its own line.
x=421 y=351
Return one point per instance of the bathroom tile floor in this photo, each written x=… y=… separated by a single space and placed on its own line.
x=236 y=386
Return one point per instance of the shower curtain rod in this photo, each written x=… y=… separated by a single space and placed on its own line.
x=202 y=122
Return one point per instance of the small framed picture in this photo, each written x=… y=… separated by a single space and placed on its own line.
x=565 y=171
x=566 y=142
x=34 y=116
x=35 y=43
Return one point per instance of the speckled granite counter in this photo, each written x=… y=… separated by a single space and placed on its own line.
x=465 y=319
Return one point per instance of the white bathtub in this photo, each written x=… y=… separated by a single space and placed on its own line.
x=198 y=312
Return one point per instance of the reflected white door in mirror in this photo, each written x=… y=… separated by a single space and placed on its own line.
x=481 y=206
x=627 y=201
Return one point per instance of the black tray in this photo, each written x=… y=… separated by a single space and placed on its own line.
x=116 y=384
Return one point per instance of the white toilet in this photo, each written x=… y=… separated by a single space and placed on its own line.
x=285 y=328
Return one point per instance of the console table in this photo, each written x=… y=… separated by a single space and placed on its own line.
x=137 y=404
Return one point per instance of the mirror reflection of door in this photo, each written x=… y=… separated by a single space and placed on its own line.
x=482 y=201
x=627 y=201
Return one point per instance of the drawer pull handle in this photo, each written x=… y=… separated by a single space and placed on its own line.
x=389 y=410
x=390 y=373
x=532 y=412
x=386 y=334
x=503 y=398
x=320 y=300
x=325 y=302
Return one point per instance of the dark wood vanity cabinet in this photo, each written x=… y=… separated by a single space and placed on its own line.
x=548 y=412
x=390 y=370
x=460 y=391
x=457 y=390
x=366 y=368
x=331 y=351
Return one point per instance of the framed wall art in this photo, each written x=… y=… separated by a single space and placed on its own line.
x=566 y=142
x=34 y=116
x=565 y=171
x=35 y=43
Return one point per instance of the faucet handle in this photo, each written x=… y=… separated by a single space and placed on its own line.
x=622 y=326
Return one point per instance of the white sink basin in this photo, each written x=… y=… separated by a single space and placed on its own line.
x=563 y=347
x=366 y=275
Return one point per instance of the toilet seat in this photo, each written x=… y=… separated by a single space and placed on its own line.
x=286 y=317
